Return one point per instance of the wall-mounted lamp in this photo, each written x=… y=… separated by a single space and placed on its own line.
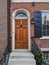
x=33 y=3
x=32 y=20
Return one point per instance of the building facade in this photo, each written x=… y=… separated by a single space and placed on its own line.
x=26 y=12
x=27 y=19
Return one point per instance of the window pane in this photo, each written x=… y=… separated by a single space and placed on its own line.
x=20 y=15
x=47 y=21
x=44 y=21
x=44 y=27
x=47 y=16
x=44 y=18
x=44 y=33
x=47 y=33
x=47 y=27
x=46 y=55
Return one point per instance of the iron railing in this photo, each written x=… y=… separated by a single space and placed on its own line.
x=4 y=60
x=37 y=53
x=35 y=46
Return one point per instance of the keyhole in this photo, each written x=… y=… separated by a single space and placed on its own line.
x=20 y=25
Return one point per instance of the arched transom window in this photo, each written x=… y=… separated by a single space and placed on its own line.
x=20 y=16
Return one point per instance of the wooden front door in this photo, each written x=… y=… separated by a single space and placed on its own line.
x=21 y=34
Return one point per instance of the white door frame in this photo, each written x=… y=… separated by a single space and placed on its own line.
x=13 y=28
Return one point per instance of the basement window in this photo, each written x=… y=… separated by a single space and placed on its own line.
x=46 y=55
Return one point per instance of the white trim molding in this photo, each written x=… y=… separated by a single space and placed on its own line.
x=21 y=10
x=45 y=37
x=29 y=1
x=44 y=49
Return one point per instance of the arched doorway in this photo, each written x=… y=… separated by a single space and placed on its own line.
x=20 y=30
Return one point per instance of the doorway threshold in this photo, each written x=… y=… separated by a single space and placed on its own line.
x=21 y=50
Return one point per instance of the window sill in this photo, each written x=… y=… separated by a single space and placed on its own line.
x=45 y=37
x=44 y=49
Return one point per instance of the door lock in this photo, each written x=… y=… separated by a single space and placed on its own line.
x=20 y=25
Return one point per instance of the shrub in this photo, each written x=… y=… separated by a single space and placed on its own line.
x=38 y=56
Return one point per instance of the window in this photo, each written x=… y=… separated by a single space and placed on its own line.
x=41 y=24
x=46 y=55
x=20 y=16
x=45 y=23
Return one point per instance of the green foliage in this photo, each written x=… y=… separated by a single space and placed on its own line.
x=38 y=56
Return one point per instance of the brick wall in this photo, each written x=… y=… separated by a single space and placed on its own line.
x=28 y=6
x=3 y=26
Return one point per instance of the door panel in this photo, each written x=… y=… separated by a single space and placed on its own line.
x=25 y=34
x=21 y=34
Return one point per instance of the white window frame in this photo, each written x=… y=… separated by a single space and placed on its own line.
x=45 y=37
x=46 y=55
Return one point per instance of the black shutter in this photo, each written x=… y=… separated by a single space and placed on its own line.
x=38 y=24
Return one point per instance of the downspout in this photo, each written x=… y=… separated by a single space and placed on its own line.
x=8 y=25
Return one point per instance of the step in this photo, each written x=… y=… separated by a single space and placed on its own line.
x=21 y=63
x=21 y=54
x=21 y=58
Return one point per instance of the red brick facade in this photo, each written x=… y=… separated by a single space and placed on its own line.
x=43 y=43
x=14 y=6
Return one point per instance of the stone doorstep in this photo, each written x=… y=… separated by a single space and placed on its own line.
x=21 y=58
x=21 y=54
